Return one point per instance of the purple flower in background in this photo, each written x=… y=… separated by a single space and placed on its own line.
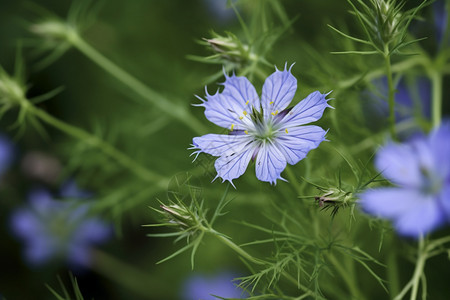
x=440 y=19
x=263 y=130
x=412 y=99
x=203 y=287
x=58 y=230
x=420 y=169
x=6 y=153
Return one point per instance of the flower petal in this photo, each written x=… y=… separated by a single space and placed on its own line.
x=298 y=141
x=440 y=145
x=230 y=109
x=308 y=110
x=270 y=162
x=423 y=218
x=233 y=164
x=389 y=202
x=413 y=213
x=220 y=144
x=278 y=91
x=400 y=164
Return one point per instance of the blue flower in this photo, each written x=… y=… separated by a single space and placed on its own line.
x=420 y=169
x=58 y=230
x=440 y=19
x=263 y=130
x=6 y=153
x=203 y=287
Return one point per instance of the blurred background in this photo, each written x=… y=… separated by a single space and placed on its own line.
x=161 y=43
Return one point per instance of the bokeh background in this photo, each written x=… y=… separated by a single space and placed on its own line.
x=152 y=40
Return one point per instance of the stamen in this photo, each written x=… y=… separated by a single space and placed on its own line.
x=286 y=130
x=275 y=113
x=247 y=102
x=241 y=117
x=246 y=131
x=271 y=102
x=232 y=127
x=244 y=112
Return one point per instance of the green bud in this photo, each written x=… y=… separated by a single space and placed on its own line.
x=12 y=91
x=179 y=215
x=336 y=197
x=54 y=30
x=229 y=48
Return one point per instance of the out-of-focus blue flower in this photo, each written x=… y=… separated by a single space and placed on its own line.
x=58 y=230
x=6 y=153
x=219 y=10
x=263 y=130
x=440 y=19
x=420 y=169
x=203 y=287
x=412 y=100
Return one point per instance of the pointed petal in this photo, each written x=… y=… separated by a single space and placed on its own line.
x=241 y=90
x=298 y=141
x=278 y=91
x=308 y=110
x=270 y=162
x=230 y=109
x=220 y=144
x=233 y=164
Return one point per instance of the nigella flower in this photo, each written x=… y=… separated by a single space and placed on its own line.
x=207 y=287
x=420 y=169
x=58 y=230
x=263 y=130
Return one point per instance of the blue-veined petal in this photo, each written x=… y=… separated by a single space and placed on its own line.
x=278 y=92
x=298 y=141
x=241 y=91
x=270 y=162
x=233 y=165
x=231 y=109
x=308 y=110
x=220 y=144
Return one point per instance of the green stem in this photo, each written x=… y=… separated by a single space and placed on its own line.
x=420 y=264
x=177 y=112
x=392 y=272
x=122 y=159
x=349 y=281
x=237 y=249
x=391 y=92
x=436 y=81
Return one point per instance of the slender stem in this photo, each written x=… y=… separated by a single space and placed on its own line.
x=420 y=264
x=349 y=281
x=177 y=112
x=436 y=81
x=391 y=92
x=392 y=272
x=237 y=249
x=121 y=158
